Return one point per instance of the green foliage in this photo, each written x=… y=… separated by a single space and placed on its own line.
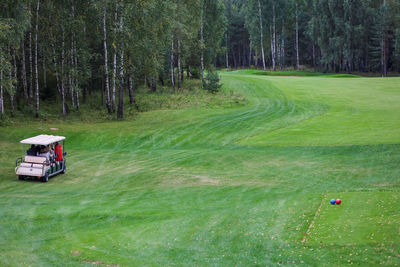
x=191 y=95
x=212 y=82
x=196 y=73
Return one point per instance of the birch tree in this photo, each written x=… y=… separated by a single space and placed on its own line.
x=261 y=36
x=297 y=39
x=36 y=58
x=106 y=57
x=120 y=113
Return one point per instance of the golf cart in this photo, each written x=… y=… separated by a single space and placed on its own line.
x=44 y=159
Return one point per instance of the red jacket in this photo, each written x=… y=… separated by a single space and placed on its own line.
x=58 y=152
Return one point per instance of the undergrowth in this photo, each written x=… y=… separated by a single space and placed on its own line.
x=93 y=109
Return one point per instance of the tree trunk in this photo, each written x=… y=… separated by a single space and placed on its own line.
x=120 y=112
x=240 y=58
x=55 y=61
x=44 y=71
x=244 y=55
x=172 y=64
x=11 y=93
x=188 y=71
x=272 y=48
x=227 y=50
x=102 y=91
x=15 y=76
x=64 y=111
x=274 y=34
x=202 y=50
x=1 y=95
x=234 y=57
x=154 y=84
x=77 y=100
x=297 y=40
x=250 y=56
x=75 y=62
x=179 y=66
x=36 y=58
x=384 y=42
x=114 y=77
x=313 y=53
x=132 y=99
x=23 y=71
x=261 y=35
x=71 y=79
x=279 y=56
x=283 y=46
x=105 y=58
x=30 y=70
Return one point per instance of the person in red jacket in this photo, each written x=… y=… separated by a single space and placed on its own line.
x=58 y=152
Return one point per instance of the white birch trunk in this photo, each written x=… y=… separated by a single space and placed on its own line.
x=71 y=80
x=64 y=111
x=23 y=71
x=120 y=113
x=261 y=35
x=172 y=63
x=30 y=69
x=15 y=75
x=202 y=49
x=272 y=47
x=278 y=49
x=105 y=58
x=297 y=40
x=274 y=35
x=179 y=66
x=114 y=77
x=36 y=58
x=384 y=43
x=283 y=46
x=11 y=93
x=75 y=62
x=55 y=61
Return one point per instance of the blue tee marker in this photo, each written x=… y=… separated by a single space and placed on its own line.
x=333 y=201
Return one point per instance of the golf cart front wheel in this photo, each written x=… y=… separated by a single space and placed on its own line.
x=21 y=177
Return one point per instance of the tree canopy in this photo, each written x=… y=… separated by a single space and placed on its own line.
x=67 y=50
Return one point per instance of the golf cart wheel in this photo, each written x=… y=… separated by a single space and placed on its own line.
x=45 y=178
x=64 y=168
x=21 y=177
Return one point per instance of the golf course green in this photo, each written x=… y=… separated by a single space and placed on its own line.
x=226 y=186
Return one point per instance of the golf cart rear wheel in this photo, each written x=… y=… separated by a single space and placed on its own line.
x=64 y=168
x=21 y=177
x=45 y=178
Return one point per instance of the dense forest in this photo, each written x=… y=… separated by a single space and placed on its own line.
x=69 y=49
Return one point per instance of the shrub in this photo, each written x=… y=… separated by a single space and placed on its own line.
x=211 y=82
x=196 y=74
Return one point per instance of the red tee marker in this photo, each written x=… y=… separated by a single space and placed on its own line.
x=338 y=201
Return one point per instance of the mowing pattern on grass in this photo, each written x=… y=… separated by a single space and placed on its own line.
x=205 y=186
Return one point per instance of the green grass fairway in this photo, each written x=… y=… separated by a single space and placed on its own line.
x=242 y=185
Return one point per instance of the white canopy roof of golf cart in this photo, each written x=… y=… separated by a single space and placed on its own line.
x=43 y=139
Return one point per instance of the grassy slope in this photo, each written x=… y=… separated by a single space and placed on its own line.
x=226 y=186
